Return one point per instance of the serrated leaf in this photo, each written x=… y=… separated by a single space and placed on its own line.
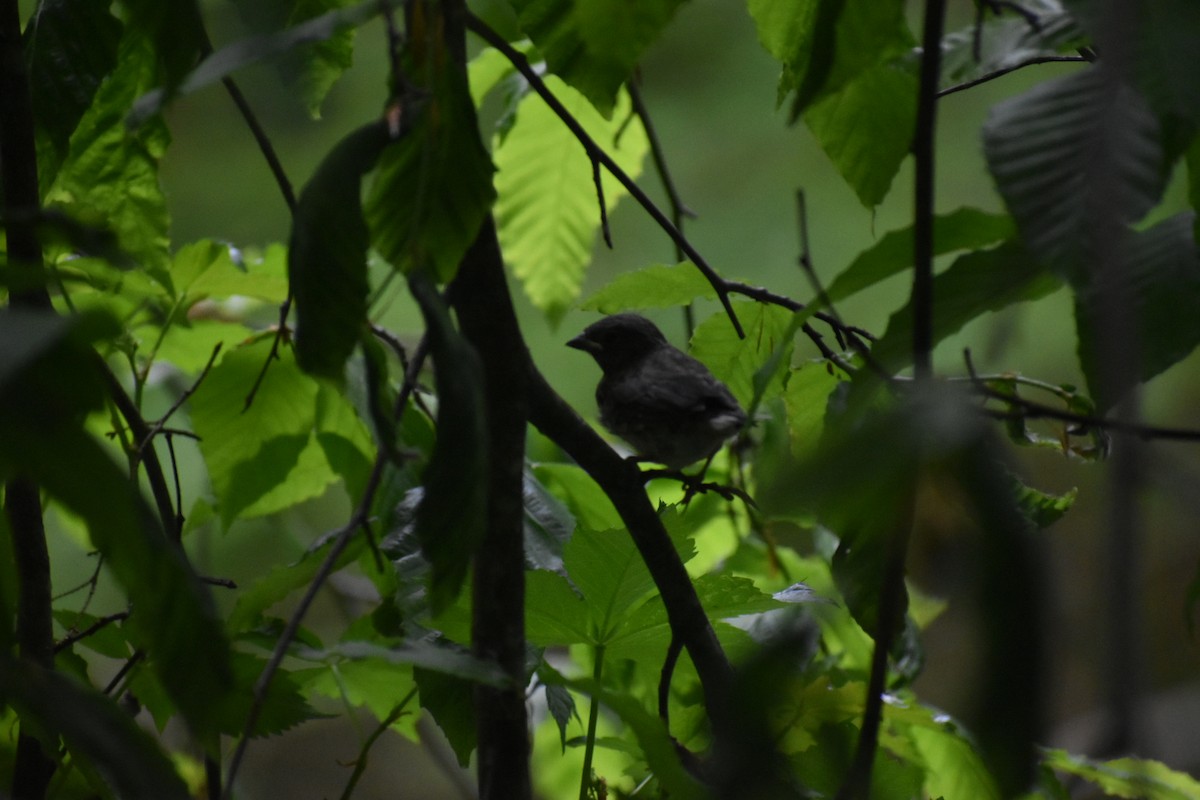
x=736 y=361
x=452 y=514
x=1042 y=508
x=264 y=458
x=48 y=379
x=561 y=705
x=327 y=255
x=95 y=729
x=449 y=700
x=865 y=127
x=1047 y=148
x=976 y=283
x=70 y=48
x=110 y=177
x=962 y=229
x=548 y=526
x=1141 y=778
x=656 y=286
x=1161 y=273
x=547 y=211
x=212 y=269
x=652 y=736
x=594 y=45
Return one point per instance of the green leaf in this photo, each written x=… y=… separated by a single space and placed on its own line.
x=866 y=126
x=962 y=229
x=70 y=48
x=95 y=729
x=327 y=256
x=48 y=379
x=449 y=700
x=310 y=68
x=428 y=655
x=452 y=514
x=736 y=361
x=806 y=396
x=548 y=526
x=1042 y=508
x=656 y=743
x=176 y=30
x=594 y=45
x=953 y=767
x=1048 y=147
x=277 y=583
x=1007 y=42
x=802 y=36
x=608 y=570
x=263 y=458
x=547 y=212
x=561 y=705
x=107 y=641
x=656 y=286
x=1161 y=274
x=976 y=283
x=434 y=186
x=250 y=51
x=1140 y=778
x=110 y=177
x=207 y=269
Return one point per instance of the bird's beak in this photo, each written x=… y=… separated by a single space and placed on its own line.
x=581 y=342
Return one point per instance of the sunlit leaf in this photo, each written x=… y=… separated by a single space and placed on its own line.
x=110 y=177
x=548 y=213
x=70 y=48
x=1140 y=778
x=267 y=448
x=736 y=361
x=657 y=286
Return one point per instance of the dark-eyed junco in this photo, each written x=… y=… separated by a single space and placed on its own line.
x=659 y=399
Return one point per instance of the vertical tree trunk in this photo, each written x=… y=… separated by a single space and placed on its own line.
x=22 y=503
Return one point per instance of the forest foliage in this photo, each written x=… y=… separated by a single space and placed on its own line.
x=697 y=646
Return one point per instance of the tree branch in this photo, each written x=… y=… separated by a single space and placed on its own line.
x=480 y=297
x=596 y=153
x=622 y=482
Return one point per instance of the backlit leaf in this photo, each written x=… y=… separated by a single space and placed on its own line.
x=547 y=212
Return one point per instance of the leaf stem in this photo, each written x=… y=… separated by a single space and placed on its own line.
x=589 y=747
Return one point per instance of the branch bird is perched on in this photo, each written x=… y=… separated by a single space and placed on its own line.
x=659 y=399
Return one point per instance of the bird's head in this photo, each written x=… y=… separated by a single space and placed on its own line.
x=619 y=340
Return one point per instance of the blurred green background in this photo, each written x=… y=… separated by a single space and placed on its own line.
x=711 y=90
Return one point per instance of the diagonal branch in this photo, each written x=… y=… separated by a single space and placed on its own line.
x=596 y=153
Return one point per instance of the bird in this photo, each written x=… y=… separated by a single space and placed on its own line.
x=667 y=405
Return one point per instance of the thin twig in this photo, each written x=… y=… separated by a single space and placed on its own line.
x=95 y=627
x=604 y=229
x=679 y=211
x=1000 y=73
x=596 y=153
x=360 y=762
x=358 y=520
x=160 y=426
